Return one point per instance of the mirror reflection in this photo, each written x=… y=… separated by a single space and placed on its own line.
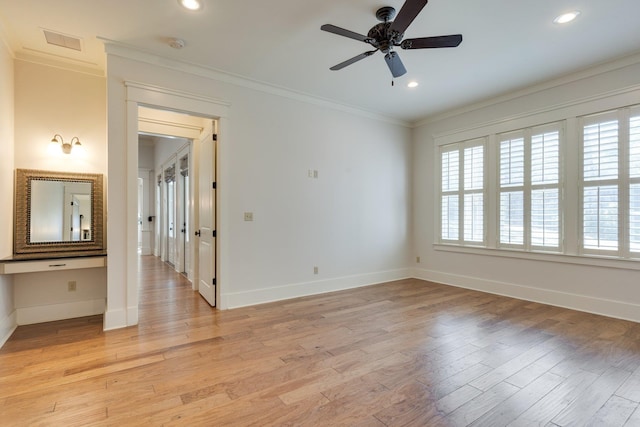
x=60 y=211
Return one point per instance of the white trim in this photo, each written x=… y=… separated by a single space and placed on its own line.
x=7 y=326
x=116 y=319
x=53 y=312
x=590 y=105
x=296 y=290
x=125 y=269
x=129 y=52
x=600 y=306
x=592 y=260
x=571 y=77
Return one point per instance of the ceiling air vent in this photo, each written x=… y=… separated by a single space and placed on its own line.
x=62 y=40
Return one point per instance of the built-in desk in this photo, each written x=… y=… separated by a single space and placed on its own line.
x=46 y=262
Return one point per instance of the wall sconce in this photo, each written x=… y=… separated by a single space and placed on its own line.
x=66 y=146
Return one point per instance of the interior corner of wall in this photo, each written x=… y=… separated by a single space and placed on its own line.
x=7 y=326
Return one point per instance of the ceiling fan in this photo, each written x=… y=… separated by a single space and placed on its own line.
x=388 y=34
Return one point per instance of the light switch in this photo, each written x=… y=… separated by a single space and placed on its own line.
x=248 y=216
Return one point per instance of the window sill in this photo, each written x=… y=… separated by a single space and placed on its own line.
x=592 y=260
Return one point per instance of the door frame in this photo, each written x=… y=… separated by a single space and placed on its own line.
x=122 y=301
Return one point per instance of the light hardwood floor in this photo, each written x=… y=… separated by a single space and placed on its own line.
x=406 y=353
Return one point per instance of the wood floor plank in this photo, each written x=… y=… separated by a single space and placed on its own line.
x=403 y=353
x=591 y=399
x=614 y=413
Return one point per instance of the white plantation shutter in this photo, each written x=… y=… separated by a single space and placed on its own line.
x=450 y=209
x=529 y=168
x=512 y=162
x=474 y=168
x=545 y=158
x=545 y=218
x=600 y=151
x=450 y=170
x=474 y=194
x=462 y=192
x=512 y=191
x=512 y=217
x=634 y=187
x=450 y=217
x=600 y=211
x=600 y=195
x=545 y=189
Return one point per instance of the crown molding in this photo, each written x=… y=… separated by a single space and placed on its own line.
x=55 y=61
x=572 y=77
x=132 y=53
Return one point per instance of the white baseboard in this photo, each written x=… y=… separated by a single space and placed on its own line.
x=115 y=319
x=604 y=307
x=278 y=293
x=7 y=326
x=52 y=312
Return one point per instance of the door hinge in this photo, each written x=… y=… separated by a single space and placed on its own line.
x=215 y=136
x=214 y=281
x=213 y=184
x=214 y=233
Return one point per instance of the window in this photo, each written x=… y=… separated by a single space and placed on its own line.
x=529 y=179
x=506 y=190
x=462 y=193
x=634 y=184
x=611 y=183
x=600 y=184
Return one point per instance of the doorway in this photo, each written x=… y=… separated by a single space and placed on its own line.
x=175 y=157
x=122 y=269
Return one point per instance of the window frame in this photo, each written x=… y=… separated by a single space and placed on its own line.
x=528 y=187
x=461 y=192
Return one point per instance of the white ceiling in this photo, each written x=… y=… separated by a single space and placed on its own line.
x=507 y=45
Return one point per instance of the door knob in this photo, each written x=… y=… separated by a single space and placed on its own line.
x=198 y=233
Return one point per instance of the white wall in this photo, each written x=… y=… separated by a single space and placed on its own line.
x=609 y=289
x=7 y=309
x=50 y=100
x=353 y=221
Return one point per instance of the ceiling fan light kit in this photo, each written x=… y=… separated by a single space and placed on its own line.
x=388 y=34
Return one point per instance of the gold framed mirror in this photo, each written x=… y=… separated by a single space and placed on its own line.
x=58 y=213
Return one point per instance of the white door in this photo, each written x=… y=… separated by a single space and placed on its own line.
x=171 y=222
x=140 y=213
x=207 y=217
x=75 y=219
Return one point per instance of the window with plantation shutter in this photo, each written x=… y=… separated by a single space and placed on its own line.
x=474 y=194
x=600 y=153
x=529 y=167
x=462 y=193
x=535 y=190
x=512 y=191
x=450 y=166
x=634 y=183
x=545 y=189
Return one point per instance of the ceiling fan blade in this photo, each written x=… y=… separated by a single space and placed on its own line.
x=407 y=14
x=432 y=42
x=345 y=33
x=395 y=64
x=357 y=58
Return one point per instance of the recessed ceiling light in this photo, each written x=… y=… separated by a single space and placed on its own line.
x=412 y=84
x=566 y=17
x=191 y=4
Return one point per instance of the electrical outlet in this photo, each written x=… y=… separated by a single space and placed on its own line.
x=315 y=270
x=248 y=216
x=71 y=286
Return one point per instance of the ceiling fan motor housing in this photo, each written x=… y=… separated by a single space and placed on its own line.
x=383 y=38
